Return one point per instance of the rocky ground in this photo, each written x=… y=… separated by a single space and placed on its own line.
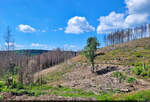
x=102 y=80
x=80 y=77
x=11 y=97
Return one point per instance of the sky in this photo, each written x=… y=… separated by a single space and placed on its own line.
x=67 y=24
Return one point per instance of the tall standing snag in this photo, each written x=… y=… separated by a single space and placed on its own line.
x=9 y=44
x=90 y=50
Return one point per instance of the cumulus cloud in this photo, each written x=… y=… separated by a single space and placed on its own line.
x=111 y=22
x=78 y=25
x=138 y=6
x=138 y=12
x=42 y=46
x=26 y=28
x=39 y=45
x=136 y=19
x=14 y=45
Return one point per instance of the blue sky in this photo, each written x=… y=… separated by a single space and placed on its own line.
x=48 y=24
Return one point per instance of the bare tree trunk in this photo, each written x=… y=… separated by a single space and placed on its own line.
x=92 y=68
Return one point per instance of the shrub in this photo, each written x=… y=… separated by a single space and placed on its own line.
x=1 y=85
x=139 y=64
x=1 y=97
x=19 y=85
x=116 y=74
x=15 y=71
x=16 y=85
x=138 y=70
x=130 y=80
x=4 y=88
x=148 y=73
x=144 y=74
x=119 y=75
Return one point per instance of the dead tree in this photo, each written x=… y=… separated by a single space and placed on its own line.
x=9 y=44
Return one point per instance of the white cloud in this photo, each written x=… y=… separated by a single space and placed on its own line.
x=78 y=25
x=14 y=44
x=10 y=44
x=26 y=28
x=138 y=6
x=42 y=46
x=39 y=45
x=138 y=12
x=111 y=22
x=60 y=28
x=136 y=19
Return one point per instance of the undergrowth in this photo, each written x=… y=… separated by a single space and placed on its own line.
x=140 y=71
x=137 y=96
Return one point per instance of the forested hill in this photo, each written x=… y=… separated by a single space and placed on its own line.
x=31 y=52
x=34 y=52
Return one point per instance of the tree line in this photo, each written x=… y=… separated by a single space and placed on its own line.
x=126 y=35
x=25 y=65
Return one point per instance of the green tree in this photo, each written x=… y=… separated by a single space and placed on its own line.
x=90 y=50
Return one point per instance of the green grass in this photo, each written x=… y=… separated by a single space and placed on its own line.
x=119 y=75
x=1 y=97
x=141 y=72
x=138 y=96
x=130 y=80
x=58 y=74
x=128 y=56
x=52 y=90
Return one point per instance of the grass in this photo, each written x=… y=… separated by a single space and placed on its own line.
x=119 y=75
x=127 y=56
x=1 y=97
x=141 y=72
x=137 y=96
x=130 y=80
x=36 y=90
x=58 y=74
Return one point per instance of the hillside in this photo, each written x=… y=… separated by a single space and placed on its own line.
x=119 y=72
x=119 y=58
x=127 y=53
